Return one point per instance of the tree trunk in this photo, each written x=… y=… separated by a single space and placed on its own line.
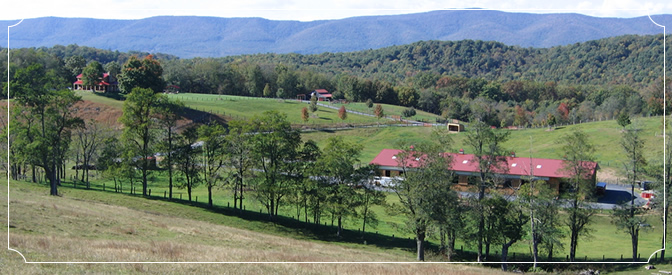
x=420 y=244
x=505 y=255
x=635 y=238
x=442 y=240
x=240 y=194
x=451 y=244
x=481 y=219
x=366 y=210
x=574 y=234
x=235 y=195
x=340 y=227
x=209 y=195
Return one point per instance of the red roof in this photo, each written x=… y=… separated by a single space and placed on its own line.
x=322 y=91
x=551 y=168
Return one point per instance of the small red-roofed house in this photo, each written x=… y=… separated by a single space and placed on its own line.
x=106 y=83
x=321 y=94
x=519 y=170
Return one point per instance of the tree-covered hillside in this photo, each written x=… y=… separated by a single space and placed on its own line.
x=631 y=60
x=503 y=85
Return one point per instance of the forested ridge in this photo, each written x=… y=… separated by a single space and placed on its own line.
x=505 y=85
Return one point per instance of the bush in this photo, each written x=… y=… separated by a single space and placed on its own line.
x=409 y=112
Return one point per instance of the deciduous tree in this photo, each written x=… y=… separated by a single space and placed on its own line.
x=490 y=157
x=342 y=113
x=338 y=175
x=579 y=163
x=146 y=73
x=215 y=155
x=46 y=118
x=423 y=174
x=187 y=157
x=92 y=74
x=379 y=112
x=627 y=216
x=275 y=146
x=137 y=117
x=168 y=113
x=239 y=149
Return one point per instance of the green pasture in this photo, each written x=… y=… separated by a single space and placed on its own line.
x=389 y=110
x=538 y=143
x=240 y=107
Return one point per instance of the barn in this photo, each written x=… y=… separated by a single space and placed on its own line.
x=518 y=169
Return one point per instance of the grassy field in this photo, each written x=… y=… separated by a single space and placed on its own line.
x=540 y=143
x=91 y=226
x=604 y=241
x=389 y=110
x=239 y=107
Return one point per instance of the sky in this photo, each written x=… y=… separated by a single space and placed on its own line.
x=310 y=10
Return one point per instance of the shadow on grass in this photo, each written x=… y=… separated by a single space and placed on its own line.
x=309 y=230
x=198 y=116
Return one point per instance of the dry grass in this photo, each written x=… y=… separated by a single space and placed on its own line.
x=47 y=229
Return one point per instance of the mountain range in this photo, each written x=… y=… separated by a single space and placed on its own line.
x=191 y=36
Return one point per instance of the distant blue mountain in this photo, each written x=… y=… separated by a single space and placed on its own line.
x=189 y=36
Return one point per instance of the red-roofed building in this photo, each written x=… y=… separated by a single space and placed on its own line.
x=519 y=169
x=321 y=94
x=107 y=83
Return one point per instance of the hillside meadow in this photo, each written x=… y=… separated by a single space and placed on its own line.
x=90 y=226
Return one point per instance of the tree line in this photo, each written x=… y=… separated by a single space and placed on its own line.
x=502 y=85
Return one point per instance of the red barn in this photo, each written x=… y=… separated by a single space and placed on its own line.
x=519 y=170
x=321 y=94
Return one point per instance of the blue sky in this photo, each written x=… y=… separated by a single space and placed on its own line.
x=308 y=10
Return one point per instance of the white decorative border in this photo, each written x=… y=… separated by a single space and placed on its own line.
x=648 y=260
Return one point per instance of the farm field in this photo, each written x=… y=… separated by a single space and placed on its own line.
x=603 y=243
x=605 y=135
